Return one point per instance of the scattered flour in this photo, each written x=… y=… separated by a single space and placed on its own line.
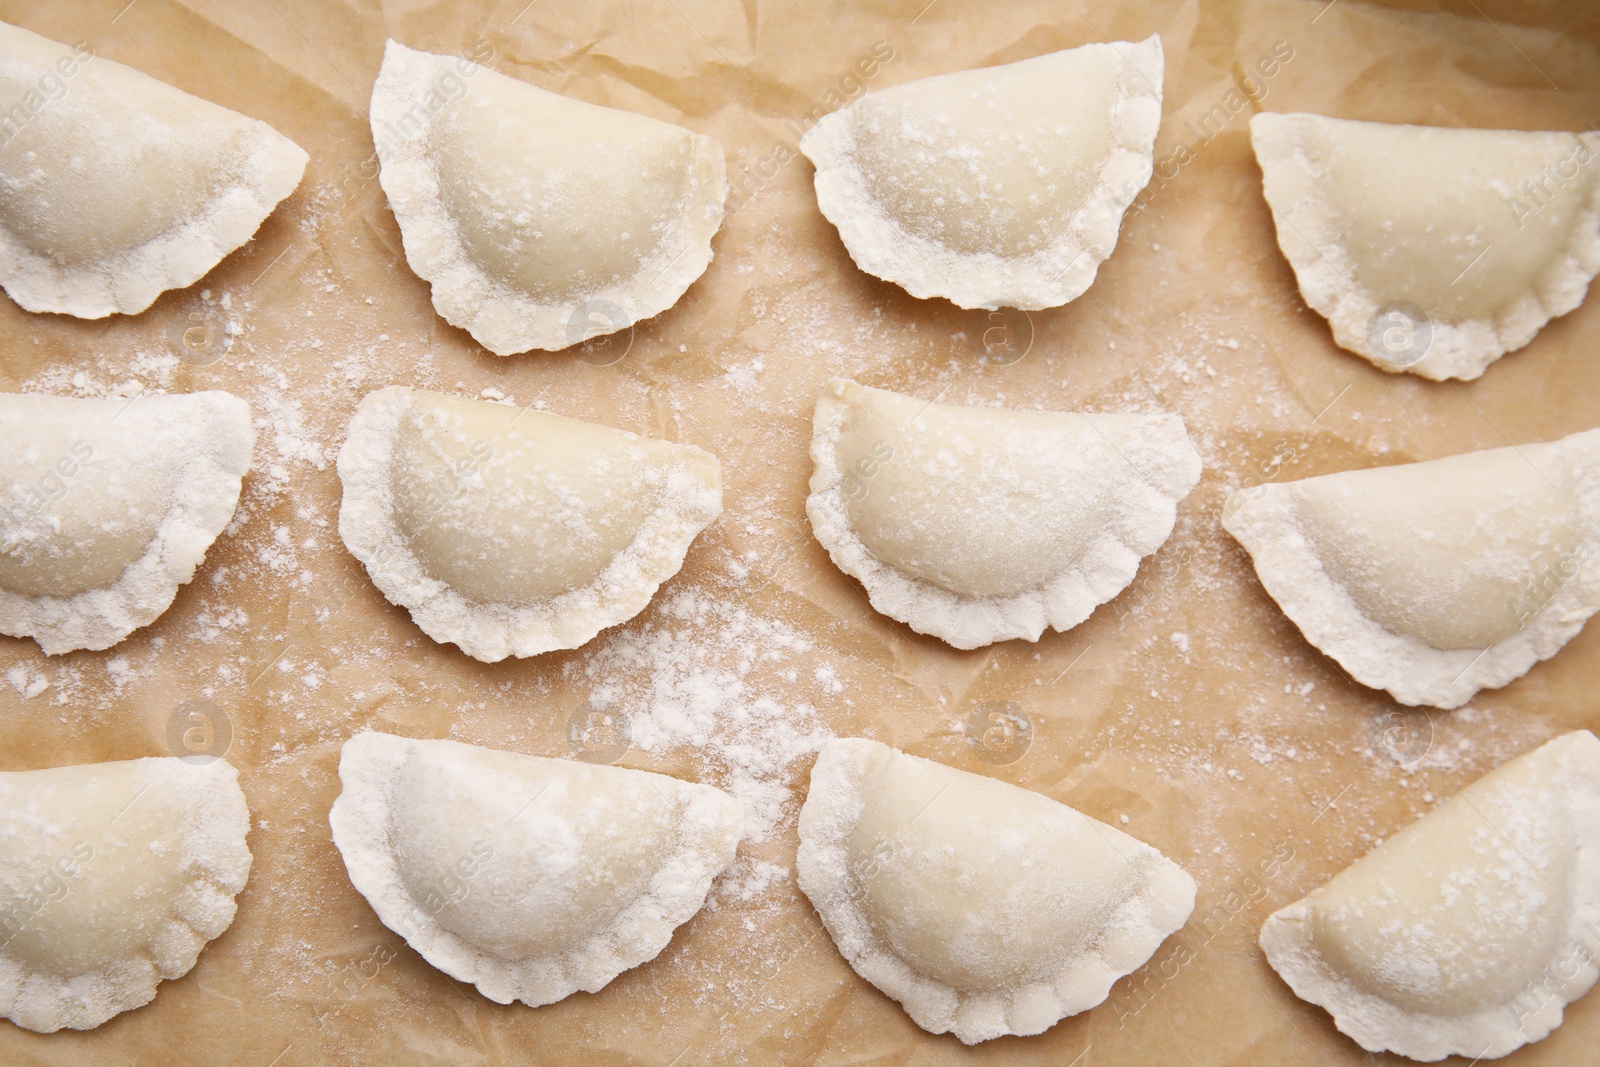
x=696 y=691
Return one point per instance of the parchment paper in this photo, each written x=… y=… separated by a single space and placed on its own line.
x=1189 y=711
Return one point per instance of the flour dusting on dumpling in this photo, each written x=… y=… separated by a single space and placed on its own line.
x=531 y=878
x=511 y=531
x=1428 y=250
x=1003 y=186
x=541 y=221
x=121 y=187
x=979 y=525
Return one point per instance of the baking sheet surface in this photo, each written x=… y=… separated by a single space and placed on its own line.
x=1188 y=711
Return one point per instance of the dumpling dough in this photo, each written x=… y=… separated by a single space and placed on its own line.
x=115 y=187
x=1490 y=233
x=530 y=878
x=1470 y=930
x=1435 y=580
x=512 y=531
x=113 y=876
x=1003 y=186
x=978 y=525
x=540 y=221
x=984 y=909
x=108 y=506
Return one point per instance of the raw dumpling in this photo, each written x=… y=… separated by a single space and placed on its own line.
x=1434 y=580
x=1003 y=186
x=108 y=506
x=1470 y=930
x=114 y=876
x=1434 y=251
x=513 y=531
x=115 y=187
x=530 y=878
x=540 y=221
x=984 y=909
x=977 y=525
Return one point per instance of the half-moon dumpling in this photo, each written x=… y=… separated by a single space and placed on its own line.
x=115 y=187
x=531 y=878
x=978 y=525
x=1434 y=580
x=512 y=532
x=1434 y=251
x=984 y=909
x=1003 y=186
x=108 y=506
x=541 y=221
x=114 y=876
x=1470 y=930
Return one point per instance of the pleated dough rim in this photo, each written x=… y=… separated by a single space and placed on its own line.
x=1263 y=519
x=1489 y=1033
x=1047 y=278
x=205 y=496
x=1323 y=268
x=491 y=632
x=508 y=321
x=38 y=1003
x=1149 y=512
x=360 y=820
x=833 y=806
x=181 y=255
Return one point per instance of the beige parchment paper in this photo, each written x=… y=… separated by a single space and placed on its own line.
x=1189 y=711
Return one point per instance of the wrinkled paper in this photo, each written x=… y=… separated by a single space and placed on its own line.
x=1188 y=712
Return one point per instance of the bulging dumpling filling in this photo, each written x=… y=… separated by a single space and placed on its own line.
x=1469 y=931
x=108 y=506
x=978 y=525
x=511 y=531
x=1428 y=250
x=115 y=187
x=1003 y=186
x=983 y=908
x=1435 y=580
x=531 y=878
x=539 y=220
x=113 y=876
